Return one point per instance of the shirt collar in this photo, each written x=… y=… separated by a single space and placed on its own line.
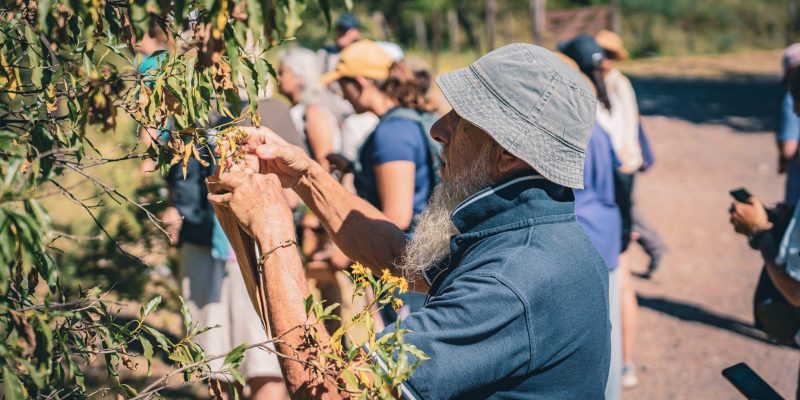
x=514 y=200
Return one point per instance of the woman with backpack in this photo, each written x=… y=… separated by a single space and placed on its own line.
x=395 y=167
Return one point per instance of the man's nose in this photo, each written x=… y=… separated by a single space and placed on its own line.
x=440 y=131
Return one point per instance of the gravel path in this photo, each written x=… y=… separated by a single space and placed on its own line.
x=696 y=314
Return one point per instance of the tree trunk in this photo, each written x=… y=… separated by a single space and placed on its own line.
x=791 y=26
x=436 y=25
x=491 y=29
x=453 y=31
x=380 y=22
x=538 y=22
x=421 y=31
x=616 y=17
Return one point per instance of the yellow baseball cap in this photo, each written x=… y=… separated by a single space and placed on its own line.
x=363 y=58
x=611 y=43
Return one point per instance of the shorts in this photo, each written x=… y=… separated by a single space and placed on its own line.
x=216 y=294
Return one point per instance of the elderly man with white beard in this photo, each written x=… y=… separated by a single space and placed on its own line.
x=517 y=295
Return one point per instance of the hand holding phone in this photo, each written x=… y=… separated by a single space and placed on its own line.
x=741 y=195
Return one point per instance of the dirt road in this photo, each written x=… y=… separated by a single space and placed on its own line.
x=696 y=314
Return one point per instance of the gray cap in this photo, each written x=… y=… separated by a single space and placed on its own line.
x=531 y=103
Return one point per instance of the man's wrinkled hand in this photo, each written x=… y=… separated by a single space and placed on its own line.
x=749 y=218
x=266 y=152
x=257 y=201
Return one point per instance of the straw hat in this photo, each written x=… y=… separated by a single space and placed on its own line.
x=612 y=44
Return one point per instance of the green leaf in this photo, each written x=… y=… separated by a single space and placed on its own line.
x=128 y=389
x=147 y=352
x=150 y=307
x=308 y=302
x=187 y=316
x=162 y=340
x=12 y=386
x=350 y=379
x=236 y=355
x=237 y=375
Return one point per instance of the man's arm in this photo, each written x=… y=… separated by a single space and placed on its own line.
x=360 y=230
x=789 y=288
x=261 y=209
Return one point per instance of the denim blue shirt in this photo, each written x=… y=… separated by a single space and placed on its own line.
x=521 y=310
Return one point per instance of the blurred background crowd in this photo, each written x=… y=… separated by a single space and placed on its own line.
x=692 y=119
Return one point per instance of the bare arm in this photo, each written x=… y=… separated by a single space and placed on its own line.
x=259 y=204
x=320 y=134
x=396 y=190
x=360 y=230
x=789 y=288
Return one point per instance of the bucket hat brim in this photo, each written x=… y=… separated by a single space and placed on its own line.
x=554 y=159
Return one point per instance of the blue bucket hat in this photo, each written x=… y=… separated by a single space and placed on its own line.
x=532 y=104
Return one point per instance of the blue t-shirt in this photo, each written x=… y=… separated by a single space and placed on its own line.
x=595 y=206
x=395 y=139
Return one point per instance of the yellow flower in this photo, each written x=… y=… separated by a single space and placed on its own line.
x=402 y=285
x=397 y=304
x=387 y=276
x=359 y=269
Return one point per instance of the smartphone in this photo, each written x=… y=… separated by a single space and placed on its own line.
x=741 y=195
x=749 y=383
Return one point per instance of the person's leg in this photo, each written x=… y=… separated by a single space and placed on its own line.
x=629 y=318
x=260 y=367
x=623 y=196
x=614 y=385
x=650 y=240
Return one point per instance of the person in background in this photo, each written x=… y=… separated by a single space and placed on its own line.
x=394 y=167
x=299 y=81
x=788 y=135
x=589 y=56
x=211 y=280
x=598 y=215
x=153 y=40
x=623 y=123
x=347 y=31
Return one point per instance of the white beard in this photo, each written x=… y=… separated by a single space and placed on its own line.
x=430 y=242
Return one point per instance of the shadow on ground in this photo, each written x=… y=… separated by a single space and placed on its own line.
x=746 y=104
x=693 y=313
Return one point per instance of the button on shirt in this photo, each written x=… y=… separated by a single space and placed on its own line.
x=521 y=310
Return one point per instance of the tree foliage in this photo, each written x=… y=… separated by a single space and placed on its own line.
x=68 y=73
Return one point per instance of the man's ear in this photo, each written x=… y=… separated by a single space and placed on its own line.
x=508 y=163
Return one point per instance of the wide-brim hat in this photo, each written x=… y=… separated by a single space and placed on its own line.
x=532 y=104
x=612 y=44
x=363 y=58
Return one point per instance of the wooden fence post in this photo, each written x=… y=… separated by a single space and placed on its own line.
x=536 y=8
x=421 y=31
x=453 y=31
x=491 y=28
x=436 y=46
x=616 y=17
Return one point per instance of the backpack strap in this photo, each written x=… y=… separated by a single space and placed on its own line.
x=434 y=148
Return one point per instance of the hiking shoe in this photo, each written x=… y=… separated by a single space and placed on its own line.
x=629 y=378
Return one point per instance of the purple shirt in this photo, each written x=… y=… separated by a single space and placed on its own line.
x=595 y=206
